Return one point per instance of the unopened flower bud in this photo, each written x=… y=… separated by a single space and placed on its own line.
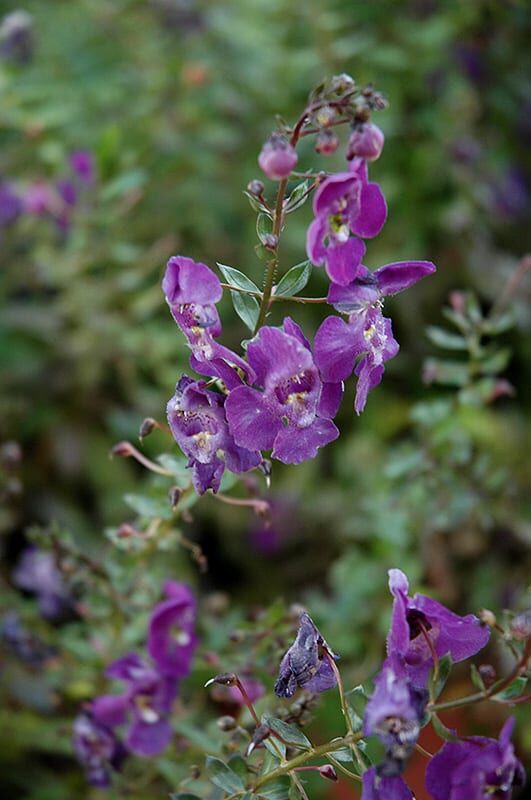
x=457 y=301
x=261 y=733
x=147 y=427
x=224 y=679
x=126 y=531
x=175 y=495
x=342 y=83
x=326 y=143
x=270 y=241
x=487 y=673
x=277 y=158
x=325 y=116
x=486 y=617
x=226 y=723
x=256 y=188
x=366 y=141
x=327 y=771
x=123 y=449
x=521 y=625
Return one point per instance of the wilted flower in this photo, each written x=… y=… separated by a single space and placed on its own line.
x=97 y=749
x=306 y=663
x=37 y=572
x=378 y=787
x=345 y=203
x=476 y=768
x=394 y=713
x=277 y=157
x=171 y=638
x=292 y=414
x=145 y=704
x=419 y=618
x=368 y=334
x=196 y=416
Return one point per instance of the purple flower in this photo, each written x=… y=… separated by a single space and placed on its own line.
x=394 y=713
x=16 y=37
x=416 y=619
x=10 y=205
x=366 y=141
x=476 y=769
x=345 y=203
x=367 y=335
x=291 y=415
x=306 y=663
x=39 y=199
x=172 y=639
x=97 y=749
x=146 y=705
x=67 y=191
x=377 y=787
x=192 y=291
x=37 y=572
x=277 y=157
x=82 y=163
x=196 y=416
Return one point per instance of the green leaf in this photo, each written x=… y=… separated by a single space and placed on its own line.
x=355 y=720
x=294 y=280
x=297 y=198
x=255 y=203
x=276 y=790
x=438 y=684
x=149 y=506
x=246 y=306
x=183 y=796
x=223 y=776
x=197 y=736
x=514 y=689
x=263 y=227
x=441 y=729
x=499 y=323
x=289 y=733
x=496 y=361
x=238 y=765
x=476 y=678
x=449 y=373
x=442 y=338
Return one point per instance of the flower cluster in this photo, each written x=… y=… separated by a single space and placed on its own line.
x=282 y=397
x=143 y=708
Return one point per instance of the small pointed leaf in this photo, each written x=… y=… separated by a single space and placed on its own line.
x=223 y=776
x=294 y=280
x=289 y=733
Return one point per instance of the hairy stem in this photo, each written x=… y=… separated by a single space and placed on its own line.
x=300 y=760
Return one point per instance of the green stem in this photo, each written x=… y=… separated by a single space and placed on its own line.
x=346 y=712
x=272 y=265
x=297 y=761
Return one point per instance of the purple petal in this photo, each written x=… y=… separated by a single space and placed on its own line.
x=324 y=678
x=377 y=788
x=398 y=637
x=146 y=739
x=369 y=376
x=441 y=768
x=290 y=327
x=394 y=278
x=356 y=296
x=336 y=347
x=128 y=668
x=334 y=190
x=274 y=355
x=372 y=214
x=187 y=281
x=330 y=399
x=295 y=445
x=315 y=236
x=343 y=261
x=171 y=635
x=207 y=476
x=110 y=709
x=463 y=637
x=252 y=424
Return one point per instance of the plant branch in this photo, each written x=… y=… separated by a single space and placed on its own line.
x=300 y=760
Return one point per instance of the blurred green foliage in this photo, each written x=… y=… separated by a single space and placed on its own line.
x=174 y=99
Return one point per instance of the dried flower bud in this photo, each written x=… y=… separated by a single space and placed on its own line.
x=277 y=158
x=226 y=723
x=326 y=143
x=224 y=679
x=342 y=83
x=327 y=771
x=326 y=116
x=147 y=427
x=486 y=617
x=255 y=187
x=123 y=449
x=175 y=495
x=366 y=141
x=261 y=733
x=521 y=625
x=487 y=673
x=270 y=241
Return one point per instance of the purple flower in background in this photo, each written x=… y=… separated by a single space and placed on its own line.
x=367 y=335
x=196 y=416
x=172 y=639
x=23 y=643
x=146 y=705
x=345 y=203
x=10 y=205
x=37 y=572
x=277 y=157
x=476 y=768
x=416 y=619
x=289 y=416
x=67 y=191
x=377 y=787
x=16 y=37
x=39 y=199
x=394 y=713
x=82 y=163
x=306 y=663
x=97 y=749
x=192 y=291
x=366 y=141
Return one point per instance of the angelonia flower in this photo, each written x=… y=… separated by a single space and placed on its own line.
x=277 y=157
x=366 y=141
x=82 y=164
x=420 y=625
x=37 y=572
x=378 y=787
x=364 y=342
x=476 y=768
x=97 y=750
x=143 y=708
x=307 y=662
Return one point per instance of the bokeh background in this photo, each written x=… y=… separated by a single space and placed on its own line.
x=173 y=98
